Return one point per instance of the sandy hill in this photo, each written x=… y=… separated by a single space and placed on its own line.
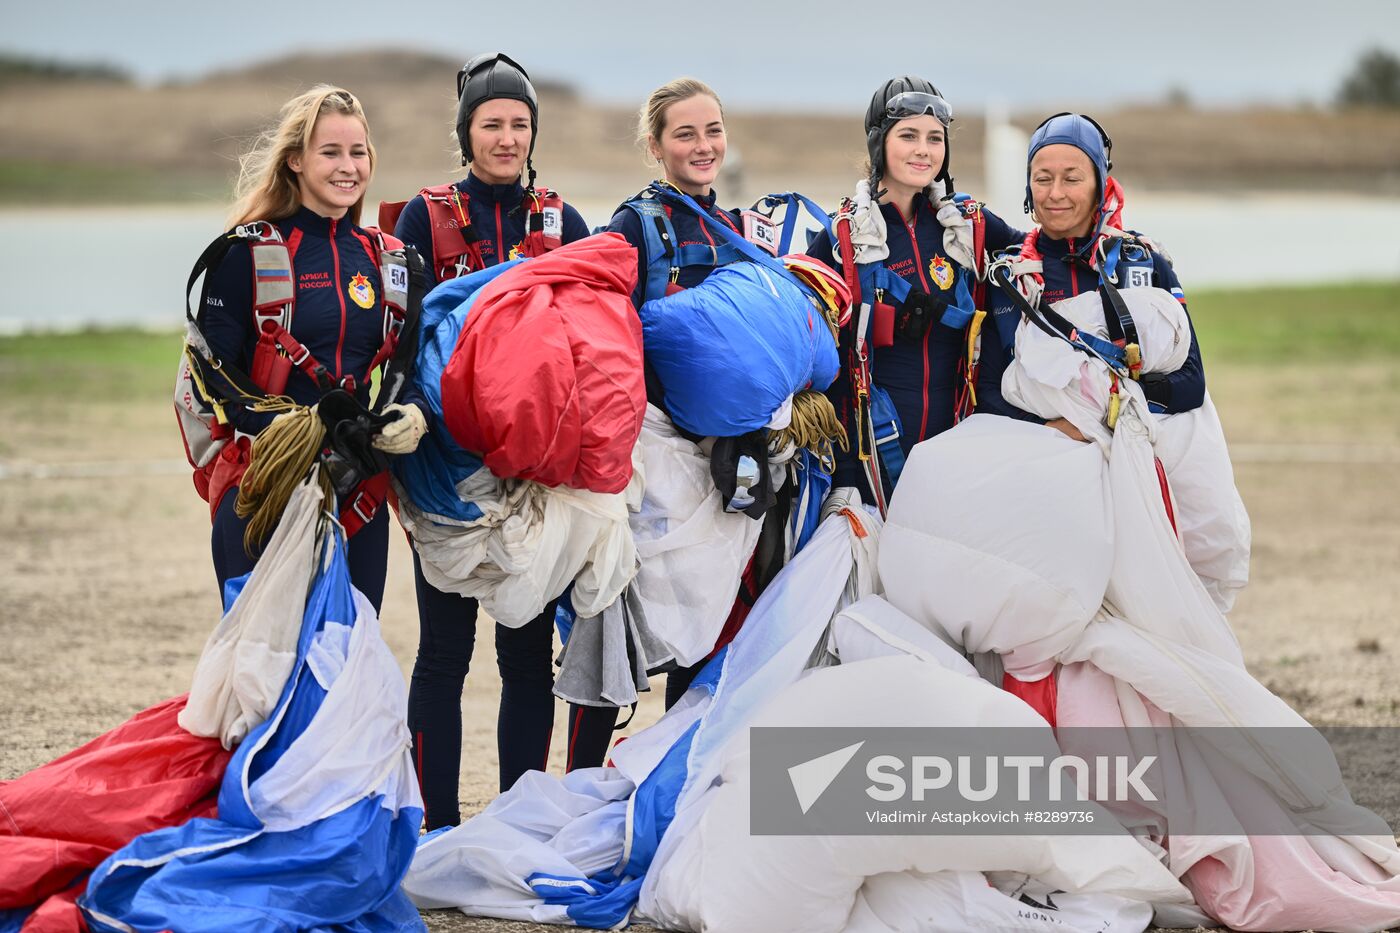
x=110 y=140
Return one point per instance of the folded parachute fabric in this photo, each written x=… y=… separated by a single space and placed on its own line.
x=715 y=875
x=537 y=363
x=1049 y=378
x=664 y=836
x=691 y=555
x=732 y=351
x=1061 y=559
x=577 y=850
x=526 y=545
x=545 y=380
x=62 y=819
x=318 y=811
x=241 y=673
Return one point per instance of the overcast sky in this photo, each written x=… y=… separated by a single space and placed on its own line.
x=813 y=55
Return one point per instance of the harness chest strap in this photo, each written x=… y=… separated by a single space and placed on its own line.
x=274 y=302
x=456 y=244
x=544 y=222
x=867 y=451
x=664 y=256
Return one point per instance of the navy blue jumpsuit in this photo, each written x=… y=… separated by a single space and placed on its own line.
x=921 y=376
x=338 y=316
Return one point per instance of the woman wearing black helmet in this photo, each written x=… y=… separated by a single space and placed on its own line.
x=486 y=218
x=917 y=253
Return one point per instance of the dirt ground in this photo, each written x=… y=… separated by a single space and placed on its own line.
x=107 y=593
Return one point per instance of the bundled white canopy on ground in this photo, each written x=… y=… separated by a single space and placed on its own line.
x=999 y=536
x=585 y=849
x=1050 y=379
x=537 y=852
x=721 y=877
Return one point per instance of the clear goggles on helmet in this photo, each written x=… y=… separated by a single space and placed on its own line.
x=916 y=104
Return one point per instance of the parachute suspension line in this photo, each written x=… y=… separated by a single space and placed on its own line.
x=814 y=426
x=280 y=458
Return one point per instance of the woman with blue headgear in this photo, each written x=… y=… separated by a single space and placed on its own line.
x=1079 y=243
x=915 y=253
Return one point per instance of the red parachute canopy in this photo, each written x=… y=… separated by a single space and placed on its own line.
x=60 y=820
x=546 y=379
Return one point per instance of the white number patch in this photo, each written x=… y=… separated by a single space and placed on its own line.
x=761 y=231
x=553 y=222
x=398 y=278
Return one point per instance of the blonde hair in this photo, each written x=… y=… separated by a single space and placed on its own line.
x=267 y=187
x=651 y=119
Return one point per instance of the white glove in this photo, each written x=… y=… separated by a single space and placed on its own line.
x=401 y=436
x=868 y=227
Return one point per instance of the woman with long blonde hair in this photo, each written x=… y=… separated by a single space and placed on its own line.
x=299 y=303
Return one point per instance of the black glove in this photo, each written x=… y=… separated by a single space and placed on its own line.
x=1158 y=388
x=350 y=455
x=918 y=313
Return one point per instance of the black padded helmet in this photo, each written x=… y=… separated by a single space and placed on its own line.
x=490 y=76
x=899 y=99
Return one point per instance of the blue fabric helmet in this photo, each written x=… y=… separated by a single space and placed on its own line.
x=1079 y=131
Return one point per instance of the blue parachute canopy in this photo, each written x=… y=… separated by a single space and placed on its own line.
x=730 y=351
x=324 y=849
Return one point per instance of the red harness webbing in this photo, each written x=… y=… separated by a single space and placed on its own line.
x=456 y=246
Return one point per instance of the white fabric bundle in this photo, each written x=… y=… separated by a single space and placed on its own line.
x=1158 y=652
x=721 y=877
x=1210 y=515
x=690 y=551
x=1050 y=379
x=996 y=522
x=531 y=542
x=250 y=653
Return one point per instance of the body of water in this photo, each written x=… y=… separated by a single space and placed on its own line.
x=73 y=268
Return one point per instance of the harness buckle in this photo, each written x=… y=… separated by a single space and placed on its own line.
x=1133 y=354
x=356 y=507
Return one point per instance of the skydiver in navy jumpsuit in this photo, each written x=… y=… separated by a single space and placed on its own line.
x=1067 y=272
x=497 y=123
x=906 y=133
x=338 y=314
